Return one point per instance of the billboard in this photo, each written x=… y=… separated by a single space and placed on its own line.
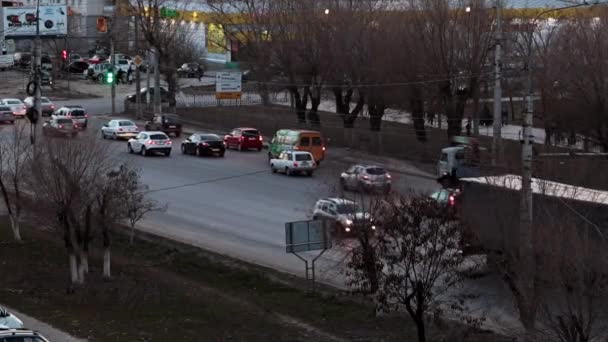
x=20 y=22
x=228 y=85
x=305 y=236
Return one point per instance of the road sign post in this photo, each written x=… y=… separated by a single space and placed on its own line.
x=303 y=236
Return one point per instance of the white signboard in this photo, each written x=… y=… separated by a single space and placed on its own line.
x=228 y=85
x=20 y=22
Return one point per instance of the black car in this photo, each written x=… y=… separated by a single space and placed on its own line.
x=204 y=144
x=76 y=67
x=191 y=70
x=167 y=123
x=164 y=95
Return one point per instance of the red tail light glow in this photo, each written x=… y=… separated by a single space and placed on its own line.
x=261 y=138
x=323 y=148
x=86 y=115
x=452 y=200
x=295 y=164
x=242 y=138
x=388 y=176
x=204 y=144
x=60 y=126
x=151 y=142
x=169 y=142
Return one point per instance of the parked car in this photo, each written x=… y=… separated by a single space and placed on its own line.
x=60 y=127
x=244 y=138
x=298 y=140
x=9 y=320
x=7 y=61
x=6 y=115
x=21 y=335
x=164 y=95
x=77 y=67
x=146 y=143
x=446 y=197
x=293 y=162
x=346 y=214
x=191 y=70
x=74 y=57
x=95 y=72
x=119 y=129
x=76 y=113
x=97 y=59
x=46 y=63
x=48 y=107
x=366 y=178
x=202 y=144
x=16 y=105
x=168 y=123
x=22 y=59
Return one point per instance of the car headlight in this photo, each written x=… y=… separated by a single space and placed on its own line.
x=373 y=227
x=348 y=222
x=347 y=229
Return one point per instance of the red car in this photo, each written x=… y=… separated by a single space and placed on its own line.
x=244 y=138
x=97 y=59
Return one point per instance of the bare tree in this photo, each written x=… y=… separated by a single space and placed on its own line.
x=15 y=153
x=136 y=202
x=65 y=178
x=419 y=258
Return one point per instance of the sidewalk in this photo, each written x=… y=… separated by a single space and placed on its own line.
x=52 y=334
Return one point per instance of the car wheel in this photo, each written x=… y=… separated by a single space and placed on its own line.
x=199 y=152
x=177 y=134
x=222 y=155
x=11 y=122
x=309 y=173
x=272 y=168
x=114 y=136
x=167 y=154
x=129 y=148
x=103 y=135
x=343 y=184
x=259 y=149
x=183 y=149
x=239 y=147
x=143 y=151
x=269 y=156
x=387 y=189
x=288 y=171
x=318 y=163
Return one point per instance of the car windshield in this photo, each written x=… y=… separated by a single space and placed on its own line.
x=375 y=171
x=251 y=133
x=158 y=137
x=171 y=119
x=303 y=157
x=210 y=137
x=346 y=208
x=12 y=102
x=125 y=123
x=78 y=112
x=45 y=100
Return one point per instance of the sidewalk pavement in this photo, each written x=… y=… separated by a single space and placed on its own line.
x=52 y=334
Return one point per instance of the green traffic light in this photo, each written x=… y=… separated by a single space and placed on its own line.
x=110 y=77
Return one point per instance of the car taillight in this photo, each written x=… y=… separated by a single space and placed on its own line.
x=452 y=200
x=120 y=129
x=24 y=107
x=297 y=148
x=204 y=144
x=52 y=107
x=261 y=138
x=366 y=177
x=323 y=148
x=223 y=142
x=75 y=126
x=388 y=176
x=242 y=138
x=295 y=164
x=86 y=115
x=168 y=142
x=60 y=126
x=151 y=142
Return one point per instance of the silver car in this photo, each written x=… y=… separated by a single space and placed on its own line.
x=48 y=107
x=17 y=106
x=76 y=113
x=366 y=177
x=6 y=115
x=119 y=129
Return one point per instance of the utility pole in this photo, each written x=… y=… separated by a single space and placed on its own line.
x=37 y=78
x=112 y=69
x=137 y=75
x=157 y=98
x=497 y=131
x=149 y=65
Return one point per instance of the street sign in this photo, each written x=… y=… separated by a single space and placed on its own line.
x=228 y=85
x=137 y=60
x=305 y=236
x=20 y=22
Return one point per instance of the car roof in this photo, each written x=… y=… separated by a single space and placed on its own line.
x=19 y=332
x=11 y=99
x=336 y=200
x=123 y=120
x=154 y=132
x=74 y=107
x=247 y=129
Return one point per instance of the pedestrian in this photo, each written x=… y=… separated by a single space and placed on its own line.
x=119 y=76
x=129 y=73
x=200 y=72
x=468 y=127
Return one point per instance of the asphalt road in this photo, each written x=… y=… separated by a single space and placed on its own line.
x=235 y=205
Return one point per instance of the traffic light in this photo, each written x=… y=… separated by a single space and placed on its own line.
x=64 y=55
x=109 y=77
x=102 y=25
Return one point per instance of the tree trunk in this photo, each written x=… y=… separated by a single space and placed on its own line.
x=172 y=91
x=421 y=330
x=343 y=101
x=301 y=102
x=15 y=227
x=106 y=263
x=417 y=106
x=83 y=267
x=315 y=101
x=84 y=260
x=264 y=94
x=73 y=267
x=132 y=235
x=376 y=109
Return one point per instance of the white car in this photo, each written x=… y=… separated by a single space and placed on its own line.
x=292 y=162
x=146 y=143
x=347 y=214
x=119 y=129
x=9 y=320
x=17 y=106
